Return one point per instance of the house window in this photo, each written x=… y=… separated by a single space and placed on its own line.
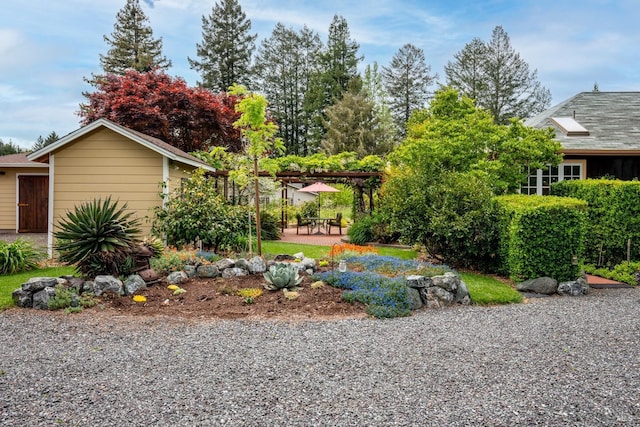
x=540 y=181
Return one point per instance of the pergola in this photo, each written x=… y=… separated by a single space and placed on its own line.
x=361 y=182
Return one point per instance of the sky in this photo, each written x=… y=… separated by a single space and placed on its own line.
x=47 y=47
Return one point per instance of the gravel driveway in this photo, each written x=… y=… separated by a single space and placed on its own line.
x=554 y=361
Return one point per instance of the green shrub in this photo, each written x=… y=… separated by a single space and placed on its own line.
x=196 y=212
x=614 y=217
x=372 y=228
x=269 y=226
x=67 y=298
x=541 y=236
x=309 y=209
x=19 y=256
x=625 y=272
x=97 y=237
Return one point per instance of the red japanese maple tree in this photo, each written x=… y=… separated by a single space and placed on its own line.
x=164 y=107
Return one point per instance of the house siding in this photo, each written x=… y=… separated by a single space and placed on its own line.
x=104 y=163
x=8 y=196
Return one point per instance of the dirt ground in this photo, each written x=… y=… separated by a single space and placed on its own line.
x=218 y=299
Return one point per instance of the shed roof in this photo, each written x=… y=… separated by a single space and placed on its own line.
x=20 y=160
x=612 y=120
x=150 y=142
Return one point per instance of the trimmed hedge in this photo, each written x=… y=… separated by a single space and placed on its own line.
x=614 y=217
x=540 y=235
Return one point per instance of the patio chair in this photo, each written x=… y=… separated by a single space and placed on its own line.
x=335 y=222
x=302 y=222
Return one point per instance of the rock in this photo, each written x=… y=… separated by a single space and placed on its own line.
x=89 y=286
x=541 y=285
x=225 y=263
x=284 y=257
x=419 y=282
x=190 y=270
x=233 y=272
x=573 y=288
x=22 y=298
x=177 y=277
x=207 y=270
x=448 y=281
x=257 y=265
x=462 y=294
x=77 y=283
x=299 y=255
x=308 y=264
x=437 y=297
x=243 y=264
x=102 y=284
x=415 y=302
x=149 y=275
x=133 y=283
x=36 y=284
x=42 y=297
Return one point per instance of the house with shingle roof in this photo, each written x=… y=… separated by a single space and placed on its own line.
x=600 y=137
x=98 y=160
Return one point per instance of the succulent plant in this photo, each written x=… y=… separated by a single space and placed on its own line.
x=282 y=276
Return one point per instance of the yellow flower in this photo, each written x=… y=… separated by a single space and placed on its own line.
x=139 y=298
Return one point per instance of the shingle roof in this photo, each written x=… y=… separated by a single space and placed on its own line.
x=19 y=160
x=612 y=119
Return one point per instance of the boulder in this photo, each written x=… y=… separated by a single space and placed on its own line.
x=573 y=288
x=437 y=297
x=284 y=257
x=541 y=285
x=177 y=277
x=42 y=297
x=242 y=263
x=419 y=282
x=308 y=264
x=225 y=263
x=415 y=301
x=133 y=283
x=22 y=298
x=448 y=281
x=36 y=284
x=102 y=284
x=233 y=272
x=299 y=255
x=462 y=294
x=191 y=270
x=257 y=265
x=207 y=270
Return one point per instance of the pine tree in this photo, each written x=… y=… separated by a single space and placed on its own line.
x=284 y=64
x=9 y=148
x=407 y=81
x=132 y=43
x=226 y=48
x=375 y=92
x=507 y=88
x=352 y=125
x=41 y=143
x=338 y=64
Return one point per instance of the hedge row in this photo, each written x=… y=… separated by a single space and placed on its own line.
x=540 y=236
x=613 y=217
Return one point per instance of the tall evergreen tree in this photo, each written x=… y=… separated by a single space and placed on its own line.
x=284 y=64
x=41 y=143
x=132 y=45
x=226 y=48
x=508 y=88
x=374 y=90
x=352 y=125
x=338 y=64
x=9 y=148
x=407 y=81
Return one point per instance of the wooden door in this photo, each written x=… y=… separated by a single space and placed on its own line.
x=33 y=203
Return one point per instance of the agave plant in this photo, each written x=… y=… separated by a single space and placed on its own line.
x=282 y=276
x=97 y=237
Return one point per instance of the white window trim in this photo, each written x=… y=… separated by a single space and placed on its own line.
x=539 y=173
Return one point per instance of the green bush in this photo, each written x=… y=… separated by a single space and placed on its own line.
x=614 y=217
x=67 y=298
x=269 y=226
x=372 y=228
x=309 y=209
x=625 y=272
x=541 y=236
x=196 y=212
x=19 y=256
x=98 y=237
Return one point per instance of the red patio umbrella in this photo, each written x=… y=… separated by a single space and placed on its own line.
x=319 y=187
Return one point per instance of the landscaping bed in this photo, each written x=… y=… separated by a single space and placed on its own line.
x=218 y=298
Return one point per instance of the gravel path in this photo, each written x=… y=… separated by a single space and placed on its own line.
x=554 y=361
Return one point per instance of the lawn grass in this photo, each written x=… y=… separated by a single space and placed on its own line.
x=485 y=290
x=272 y=247
x=10 y=283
